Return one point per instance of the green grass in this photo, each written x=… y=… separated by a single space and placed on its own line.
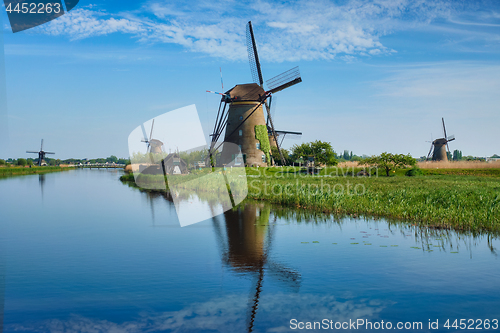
x=17 y=171
x=462 y=199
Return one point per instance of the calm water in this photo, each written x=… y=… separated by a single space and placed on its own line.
x=81 y=252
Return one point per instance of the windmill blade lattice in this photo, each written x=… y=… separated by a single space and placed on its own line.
x=253 y=56
x=284 y=80
x=145 y=135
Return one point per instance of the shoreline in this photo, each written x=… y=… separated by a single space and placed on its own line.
x=463 y=200
x=22 y=171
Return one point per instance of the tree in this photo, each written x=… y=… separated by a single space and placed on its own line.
x=457 y=155
x=2 y=162
x=448 y=154
x=390 y=162
x=21 y=162
x=29 y=162
x=276 y=155
x=321 y=151
x=346 y=155
x=112 y=159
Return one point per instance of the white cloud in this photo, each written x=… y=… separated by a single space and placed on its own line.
x=83 y=23
x=301 y=30
x=223 y=314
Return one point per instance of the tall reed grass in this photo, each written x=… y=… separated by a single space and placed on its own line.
x=459 y=165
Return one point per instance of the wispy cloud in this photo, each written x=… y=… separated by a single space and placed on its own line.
x=291 y=31
x=223 y=314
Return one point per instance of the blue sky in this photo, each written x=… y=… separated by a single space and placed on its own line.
x=377 y=75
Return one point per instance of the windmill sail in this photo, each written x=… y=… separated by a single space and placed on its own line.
x=284 y=80
x=253 y=56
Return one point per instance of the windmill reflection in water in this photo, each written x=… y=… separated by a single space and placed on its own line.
x=244 y=237
x=245 y=247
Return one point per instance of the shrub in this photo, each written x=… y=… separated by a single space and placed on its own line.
x=390 y=162
x=415 y=171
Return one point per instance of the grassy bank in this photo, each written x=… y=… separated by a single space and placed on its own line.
x=456 y=201
x=16 y=171
x=454 y=198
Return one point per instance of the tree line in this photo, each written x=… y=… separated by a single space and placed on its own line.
x=56 y=162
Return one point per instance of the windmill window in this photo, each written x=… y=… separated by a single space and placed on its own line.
x=241 y=117
x=263 y=158
x=257 y=145
x=240 y=132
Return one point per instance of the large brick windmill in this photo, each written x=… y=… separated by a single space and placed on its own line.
x=241 y=113
x=439 y=146
x=41 y=154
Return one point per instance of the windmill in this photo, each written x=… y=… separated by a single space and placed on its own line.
x=241 y=113
x=41 y=154
x=438 y=149
x=154 y=146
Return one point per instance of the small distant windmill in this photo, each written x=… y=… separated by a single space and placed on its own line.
x=438 y=149
x=41 y=154
x=154 y=146
x=240 y=109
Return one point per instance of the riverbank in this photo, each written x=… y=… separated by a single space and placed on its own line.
x=461 y=199
x=18 y=171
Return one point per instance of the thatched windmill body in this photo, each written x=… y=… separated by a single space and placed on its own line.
x=241 y=112
x=41 y=154
x=440 y=146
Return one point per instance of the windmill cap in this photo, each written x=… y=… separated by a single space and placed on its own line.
x=246 y=92
x=441 y=141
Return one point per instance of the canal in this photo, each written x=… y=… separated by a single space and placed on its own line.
x=82 y=252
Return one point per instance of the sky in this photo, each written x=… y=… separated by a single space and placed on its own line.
x=377 y=75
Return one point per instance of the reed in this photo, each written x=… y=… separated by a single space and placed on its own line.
x=459 y=165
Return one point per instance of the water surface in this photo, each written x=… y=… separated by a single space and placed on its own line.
x=82 y=252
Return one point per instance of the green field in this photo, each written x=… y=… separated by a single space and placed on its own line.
x=17 y=171
x=450 y=198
